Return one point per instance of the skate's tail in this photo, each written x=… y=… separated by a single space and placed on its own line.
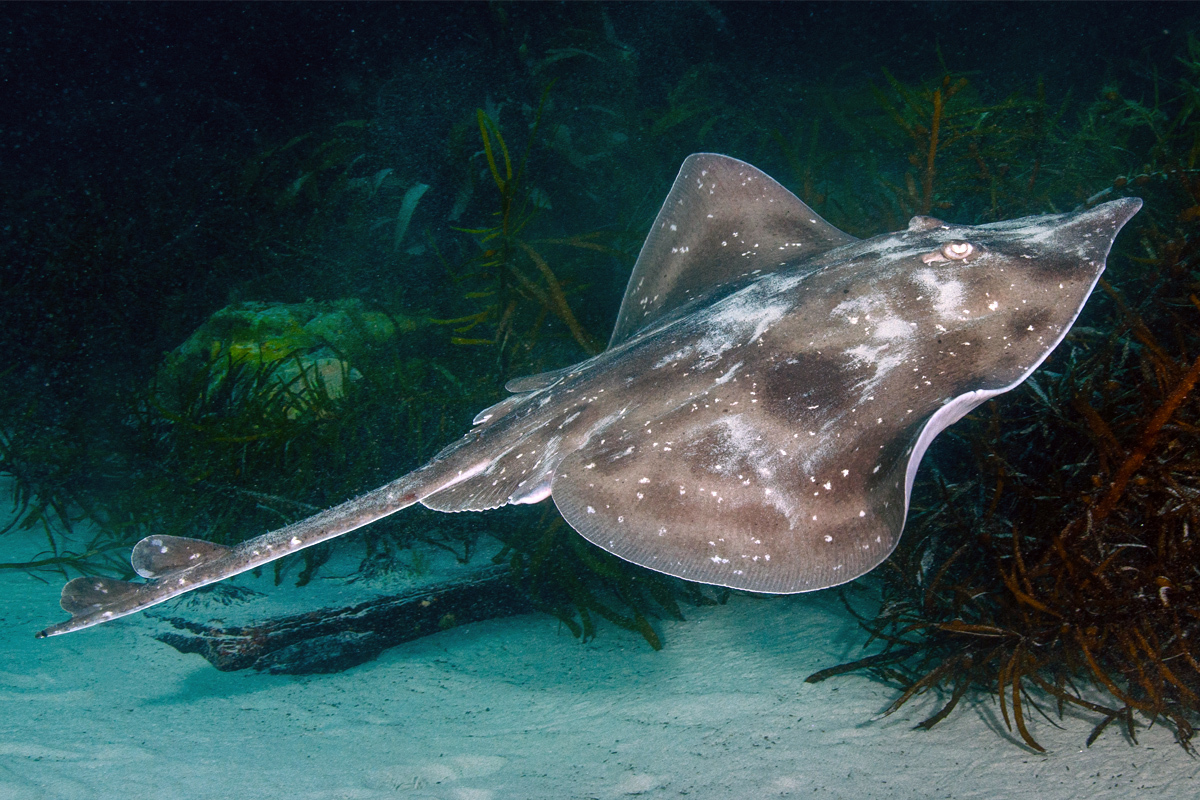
x=175 y=565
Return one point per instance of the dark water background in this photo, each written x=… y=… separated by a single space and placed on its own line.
x=137 y=106
x=160 y=162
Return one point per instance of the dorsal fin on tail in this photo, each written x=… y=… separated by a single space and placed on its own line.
x=161 y=556
x=93 y=593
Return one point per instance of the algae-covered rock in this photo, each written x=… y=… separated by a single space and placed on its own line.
x=306 y=349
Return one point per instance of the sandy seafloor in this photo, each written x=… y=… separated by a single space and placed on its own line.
x=517 y=708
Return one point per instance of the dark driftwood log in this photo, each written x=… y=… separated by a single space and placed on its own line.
x=335 y=639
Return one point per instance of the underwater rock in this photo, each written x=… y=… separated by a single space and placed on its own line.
x=301 y=348
x=336 y=639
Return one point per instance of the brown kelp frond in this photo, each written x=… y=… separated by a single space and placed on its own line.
x=510 y=274
x=961 y=149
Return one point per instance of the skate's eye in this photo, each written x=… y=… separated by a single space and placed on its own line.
x=957 y=251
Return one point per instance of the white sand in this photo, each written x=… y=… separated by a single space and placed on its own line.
x=518 y=708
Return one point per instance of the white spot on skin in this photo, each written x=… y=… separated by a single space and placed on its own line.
x=729 y=374
x=947 y=294
x=828 y=538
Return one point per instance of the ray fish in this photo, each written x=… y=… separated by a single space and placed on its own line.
x=758 y=417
